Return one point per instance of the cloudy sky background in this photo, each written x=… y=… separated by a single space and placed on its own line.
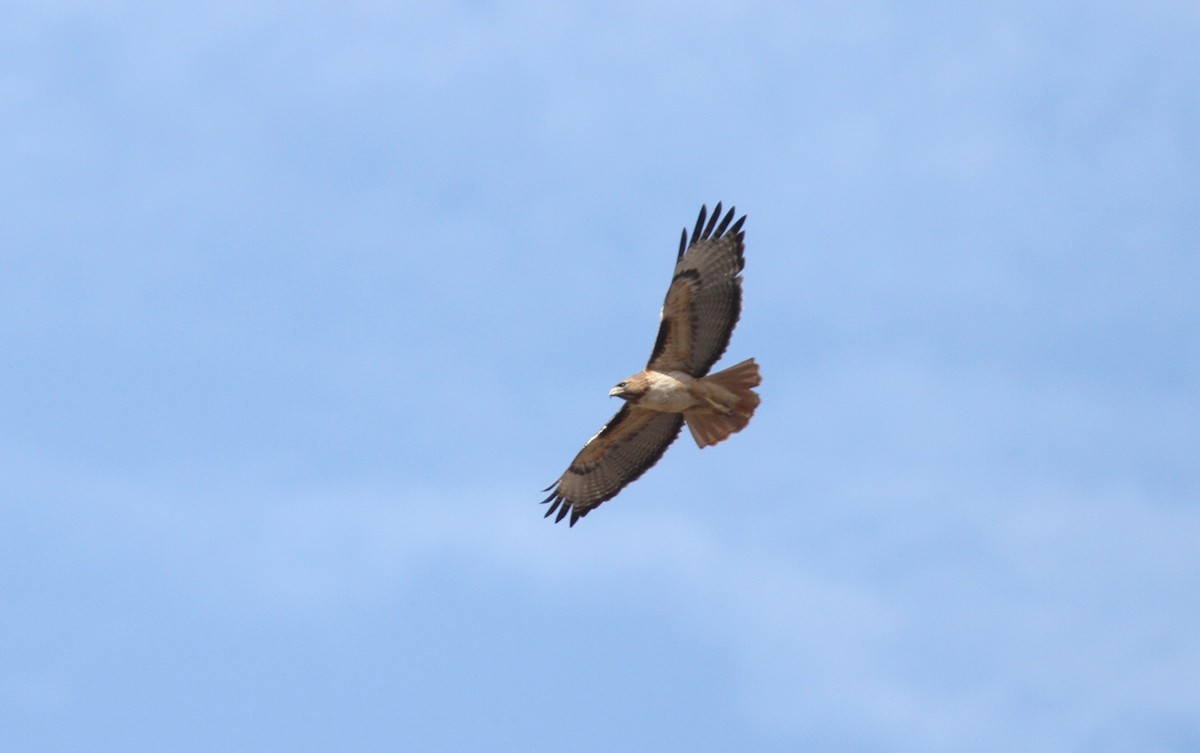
x=302 y=305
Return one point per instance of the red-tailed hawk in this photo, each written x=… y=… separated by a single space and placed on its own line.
x=702 y=306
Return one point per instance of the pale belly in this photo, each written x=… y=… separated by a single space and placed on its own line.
x=668 y=393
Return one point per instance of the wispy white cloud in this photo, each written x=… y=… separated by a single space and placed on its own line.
x=1028 y=619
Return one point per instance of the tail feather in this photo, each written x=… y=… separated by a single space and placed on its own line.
x=707 y=425
x=740 y=376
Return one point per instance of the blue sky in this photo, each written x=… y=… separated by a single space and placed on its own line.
x=302 y=305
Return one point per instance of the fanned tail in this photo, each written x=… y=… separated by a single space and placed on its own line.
x=710 y=426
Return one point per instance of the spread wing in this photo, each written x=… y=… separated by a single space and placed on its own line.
x=628 y=445
x=705 y=298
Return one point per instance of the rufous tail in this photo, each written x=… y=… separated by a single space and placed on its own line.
x=736 y=401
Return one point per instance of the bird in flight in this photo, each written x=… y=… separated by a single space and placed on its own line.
x=702 y=307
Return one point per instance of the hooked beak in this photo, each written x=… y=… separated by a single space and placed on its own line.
x=618 y=391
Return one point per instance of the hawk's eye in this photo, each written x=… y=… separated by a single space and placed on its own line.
x=621 y=385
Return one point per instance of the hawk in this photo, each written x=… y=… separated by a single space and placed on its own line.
x=702 y=306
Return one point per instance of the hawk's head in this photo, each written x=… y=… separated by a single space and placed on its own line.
x=632 y=389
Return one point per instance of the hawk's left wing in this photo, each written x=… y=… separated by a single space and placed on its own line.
x=628 y=445
x=705 y=298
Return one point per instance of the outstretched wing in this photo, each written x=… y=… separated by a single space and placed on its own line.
x=705 y=298
x=628 y=445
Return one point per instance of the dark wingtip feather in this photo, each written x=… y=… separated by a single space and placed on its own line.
x=725 y=222
x=699 y=223
x=562 y=507
x=712 y=221
x=714 y=226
